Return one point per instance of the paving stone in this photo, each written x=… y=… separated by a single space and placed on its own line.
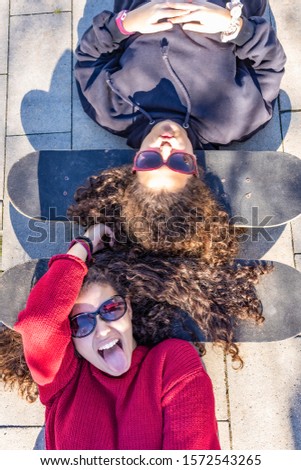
x=298 y=262
x=83 y=13
x=4 y=23
x=292 y=139
x=282 y=250
x=258 y=243
x=288 y=20
x=18 y=438
x=21 y=7
x=296 y=229
x=1 y=217
x=26 y=239
x=17 y=229
x=3 y=80
x=40 y=99
x=265 y=397
x=216 y=368
x=85 y=133
x=224 y=435
x=15 y=411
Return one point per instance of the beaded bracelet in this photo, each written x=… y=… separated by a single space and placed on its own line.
x=85 y=243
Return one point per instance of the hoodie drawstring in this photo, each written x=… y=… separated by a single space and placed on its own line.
x=164 y=52
x=128 y=100
x=131 y=101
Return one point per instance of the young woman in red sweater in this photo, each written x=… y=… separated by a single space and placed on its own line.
x=101 y=390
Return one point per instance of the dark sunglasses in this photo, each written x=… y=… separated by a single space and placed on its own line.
x=181 y=162
x=84 y=323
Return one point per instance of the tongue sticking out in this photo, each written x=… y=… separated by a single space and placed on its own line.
x=115 y=358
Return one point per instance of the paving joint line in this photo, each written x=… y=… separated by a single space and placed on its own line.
x=72 y=77
x=40 y=13
x=228 y=403
x=285 y=111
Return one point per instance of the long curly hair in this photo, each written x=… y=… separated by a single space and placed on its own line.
x=13 y=367
x=189 y=222
x=161 y=289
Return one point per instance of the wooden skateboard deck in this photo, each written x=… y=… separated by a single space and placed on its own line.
x=258 y=189
x=279 y=292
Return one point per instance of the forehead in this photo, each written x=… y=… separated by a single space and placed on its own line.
x=91 y=297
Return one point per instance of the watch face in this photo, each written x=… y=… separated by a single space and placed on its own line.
x=236 y=11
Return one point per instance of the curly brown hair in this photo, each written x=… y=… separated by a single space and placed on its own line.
x=189 y=222
x=161 y=289
x=13 y=367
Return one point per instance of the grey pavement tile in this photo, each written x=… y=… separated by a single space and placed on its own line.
x=282 y=250
x=21 y=7
x=296 y=229
x=40 y=74
x=16 y=411
x=83 y=13
x=25 y=239
x=86 y=134
x=3 y=86
x=215 y=366
x=298 y=262
x=18 y=438
x=4 y=25
x=224 y=435
x=16 y=229
x=19 y=146
x=269 y=244
x=292 y=138
x=1 y=217
x=288 y=18
x=265 y=397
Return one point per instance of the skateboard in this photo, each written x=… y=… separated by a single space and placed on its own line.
x=257 y=189
x=281 y=304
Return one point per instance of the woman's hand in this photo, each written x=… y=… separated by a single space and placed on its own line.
x=205 y=17
x=96 y=234
x=154 y=16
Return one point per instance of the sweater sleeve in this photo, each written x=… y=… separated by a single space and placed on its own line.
x=97 y=53
x=258 y=45
x=188 y=401
x=44 y=323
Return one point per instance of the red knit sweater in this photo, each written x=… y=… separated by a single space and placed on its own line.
x=164 y=401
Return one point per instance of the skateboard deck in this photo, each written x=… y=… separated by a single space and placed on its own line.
x=279 y=292
x=258 y=189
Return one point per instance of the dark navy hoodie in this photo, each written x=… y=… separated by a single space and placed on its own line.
x=220 y=92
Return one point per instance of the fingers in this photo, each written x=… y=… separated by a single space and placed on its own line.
x=110 y=234
x=172 y=13
x=197 y=27
x=184 y=18
x=97 y=232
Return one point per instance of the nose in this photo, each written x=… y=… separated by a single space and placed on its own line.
x=102 y=327
x=165 y=149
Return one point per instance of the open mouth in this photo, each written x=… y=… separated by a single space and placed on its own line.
x=109 y=346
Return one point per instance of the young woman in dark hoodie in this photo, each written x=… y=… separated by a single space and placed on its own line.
x=212 y=69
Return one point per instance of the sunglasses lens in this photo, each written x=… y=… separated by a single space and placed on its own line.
x=82 y=325
x=182 y=162
x=113 y=309
x=148 y=160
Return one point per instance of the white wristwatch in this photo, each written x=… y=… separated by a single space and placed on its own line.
x=235 y=7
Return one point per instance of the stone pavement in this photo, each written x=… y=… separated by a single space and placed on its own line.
x=258 y=407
